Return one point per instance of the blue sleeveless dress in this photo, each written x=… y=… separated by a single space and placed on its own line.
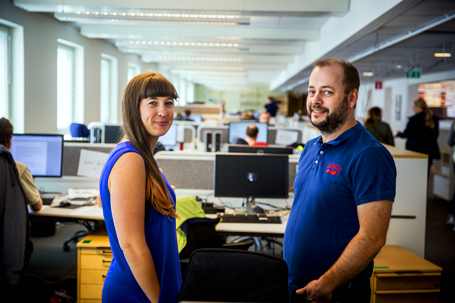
x=160 y=232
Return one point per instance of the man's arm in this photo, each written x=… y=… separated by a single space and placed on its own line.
x=374 y=220
x=38 y=205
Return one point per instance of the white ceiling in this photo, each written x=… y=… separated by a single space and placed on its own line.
x=275 y=39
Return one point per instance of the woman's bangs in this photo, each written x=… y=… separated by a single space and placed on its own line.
x=157 y=86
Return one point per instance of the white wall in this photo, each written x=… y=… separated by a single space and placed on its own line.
x=41 y=32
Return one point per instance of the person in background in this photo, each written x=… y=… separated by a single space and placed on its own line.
x=252 y=134
x=31 y=192
x=422 y=132
x=187 y=115
x=264 y=117
x=343 y=194
x=271 y=107
x=451 y=142
x=178 y=117
x=380 y=130
x=223 y=106
x=138 y=202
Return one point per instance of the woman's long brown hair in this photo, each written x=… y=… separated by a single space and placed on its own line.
x=143 y=86
x=428 y=113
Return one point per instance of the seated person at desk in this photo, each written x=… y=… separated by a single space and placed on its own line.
x=31 y=192
x=264 y=117
x=251 y=136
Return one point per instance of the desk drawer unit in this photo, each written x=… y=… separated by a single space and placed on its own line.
x=93 y=264
x=400 y=277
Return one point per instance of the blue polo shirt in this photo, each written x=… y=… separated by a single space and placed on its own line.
x=332 y=179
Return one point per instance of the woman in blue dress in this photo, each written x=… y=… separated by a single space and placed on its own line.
x=138 y=203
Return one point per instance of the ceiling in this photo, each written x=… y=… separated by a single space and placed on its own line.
x=232 y=44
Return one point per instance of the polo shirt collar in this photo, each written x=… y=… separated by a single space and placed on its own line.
x=344 y=136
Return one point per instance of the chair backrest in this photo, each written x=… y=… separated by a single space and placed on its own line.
x=234 y=276
x=79 y=130
x=14 y=236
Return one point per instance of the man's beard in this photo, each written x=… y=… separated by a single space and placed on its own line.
x=334 y=120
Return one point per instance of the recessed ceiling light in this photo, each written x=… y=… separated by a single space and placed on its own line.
x=442 y=55
x=368 y=74
x=399 y=66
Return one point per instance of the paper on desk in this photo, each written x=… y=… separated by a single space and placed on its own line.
x=286 y=137
x=91 y=163
x=76 y=193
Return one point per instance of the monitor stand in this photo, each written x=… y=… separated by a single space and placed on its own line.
x=251 y=207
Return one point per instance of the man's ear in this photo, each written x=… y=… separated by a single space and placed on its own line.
x=353 y=97
x=8 y=145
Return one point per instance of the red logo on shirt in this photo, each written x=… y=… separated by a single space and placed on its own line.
x=333 y=169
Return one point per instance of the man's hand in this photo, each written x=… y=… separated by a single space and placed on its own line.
x=316 y=292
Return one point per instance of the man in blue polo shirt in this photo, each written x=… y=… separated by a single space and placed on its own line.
x=344 y=189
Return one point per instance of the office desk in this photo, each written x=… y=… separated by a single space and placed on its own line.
x=253 y=229
x=401 y=276
x=65 y=214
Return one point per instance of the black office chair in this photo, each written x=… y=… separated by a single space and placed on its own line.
x=200 y=234
x=16 y=247
x=224 y=275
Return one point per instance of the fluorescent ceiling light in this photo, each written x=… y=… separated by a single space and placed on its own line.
x=210 y=68
x=91 y=16
x=442 y=55
x=130 y=43
x=368 y=74
x=202 y=59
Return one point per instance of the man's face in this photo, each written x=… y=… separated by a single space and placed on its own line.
x=327 y=103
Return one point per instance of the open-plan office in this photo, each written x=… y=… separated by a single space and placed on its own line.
x=58 y=68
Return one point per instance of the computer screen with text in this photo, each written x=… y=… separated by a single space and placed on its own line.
x=42 y=153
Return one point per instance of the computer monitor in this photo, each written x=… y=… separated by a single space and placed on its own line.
x=42 y=153
x=251 y=175
x=196 y=118
x=238 y=130
x=237 y=148
x=170 y=138
x=112 y=133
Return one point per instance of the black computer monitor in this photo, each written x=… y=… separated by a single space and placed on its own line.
x=170 y=138
x=251 y=175
x=42 y=153
x=237 y=148
x=238 y=130
x=113 y=133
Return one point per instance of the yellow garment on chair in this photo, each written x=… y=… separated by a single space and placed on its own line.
x=186 y=208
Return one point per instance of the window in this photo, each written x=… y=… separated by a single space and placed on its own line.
x=108 y=90
x=70 y=105
x=5 y=74
x=133 y=70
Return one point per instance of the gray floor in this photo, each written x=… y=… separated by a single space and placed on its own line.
x=52 y=269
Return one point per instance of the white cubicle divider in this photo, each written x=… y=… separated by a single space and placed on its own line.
x=186 y=134
x=407 y=226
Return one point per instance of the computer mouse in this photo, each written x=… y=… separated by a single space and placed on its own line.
x=64 y=204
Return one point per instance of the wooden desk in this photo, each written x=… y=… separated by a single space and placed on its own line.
x=94 y=257
x=400 y=276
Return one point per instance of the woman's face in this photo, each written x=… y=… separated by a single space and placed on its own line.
x=157 y=115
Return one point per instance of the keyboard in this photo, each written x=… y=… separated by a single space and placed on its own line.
x=47 y=200
x=249 y=218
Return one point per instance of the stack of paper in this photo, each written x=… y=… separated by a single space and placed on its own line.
x=84 y=195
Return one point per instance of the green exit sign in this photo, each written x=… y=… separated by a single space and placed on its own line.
x=413 y=73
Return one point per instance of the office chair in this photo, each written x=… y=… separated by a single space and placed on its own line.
x=224 y=275
x=79 y=234
x=16 y=247
x=79 y=130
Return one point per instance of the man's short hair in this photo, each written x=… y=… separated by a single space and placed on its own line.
x=6 y=131
x=351 y=77
x=252 y=131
